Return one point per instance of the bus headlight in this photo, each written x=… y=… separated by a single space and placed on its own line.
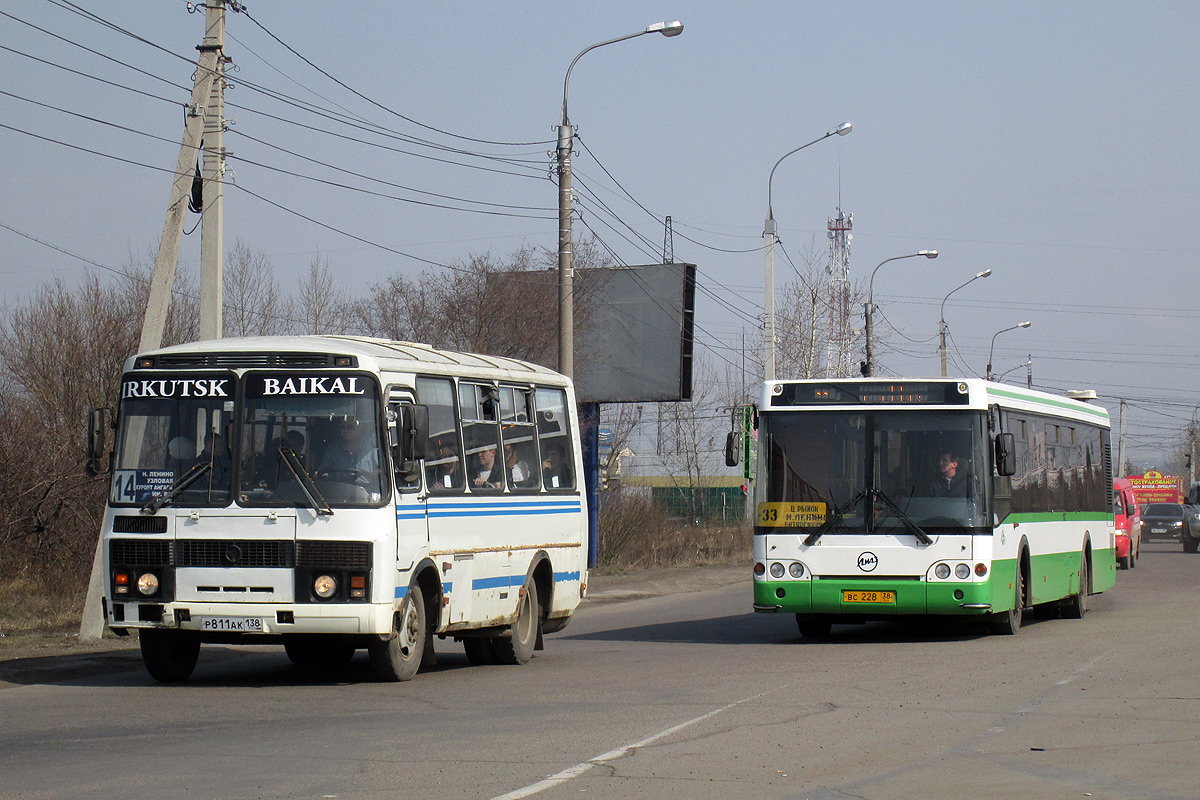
x=942 y=571
x=147 y=584
x=796 y=569
x=962 y=571
x=325 y=587
x=776 y=569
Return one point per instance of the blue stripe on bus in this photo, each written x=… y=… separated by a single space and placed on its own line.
x=501 y=582
x=446 y=510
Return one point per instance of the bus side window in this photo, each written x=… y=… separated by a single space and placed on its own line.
x=554 y=438
x=443 y=461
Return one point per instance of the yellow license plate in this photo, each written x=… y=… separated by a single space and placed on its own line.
x=868 y=597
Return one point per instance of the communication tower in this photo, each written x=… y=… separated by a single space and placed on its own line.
x=838 y=355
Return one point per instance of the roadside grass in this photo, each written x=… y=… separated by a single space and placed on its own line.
x=29 y=606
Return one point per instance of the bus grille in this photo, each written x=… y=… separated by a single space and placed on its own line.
x=353 y=555
x=139 y=524
x=234 y=553
x=233 y=360
x=140 y=552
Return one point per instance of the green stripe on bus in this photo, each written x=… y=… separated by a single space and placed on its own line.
x=1070 y=406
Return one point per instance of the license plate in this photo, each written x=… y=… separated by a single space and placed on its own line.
x=234 y=624
x=1158 y=530
x=868 y=597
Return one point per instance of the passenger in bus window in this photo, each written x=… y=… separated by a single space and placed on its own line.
x=950 y=481
x=484 y=472
x=216 y=455
x=349 y=452
x=555 y=471
x=518 y=470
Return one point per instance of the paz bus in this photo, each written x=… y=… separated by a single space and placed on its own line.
x=336 y=493
x=960 y=498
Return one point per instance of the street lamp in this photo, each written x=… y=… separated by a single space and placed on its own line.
x=769 y=270
x=566 y=275
x=1000 y=377
x=868 y=368
x=942 y=317
x=992 y=349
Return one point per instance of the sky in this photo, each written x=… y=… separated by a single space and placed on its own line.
x=1051 y=142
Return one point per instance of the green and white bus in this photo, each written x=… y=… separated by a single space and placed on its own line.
x=960 y=498
x=340 y=493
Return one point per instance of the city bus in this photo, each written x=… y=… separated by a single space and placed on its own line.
x=955 y=498
x=336 y=493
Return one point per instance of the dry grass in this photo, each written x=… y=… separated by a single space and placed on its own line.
x=27 y=606
x=636 y=534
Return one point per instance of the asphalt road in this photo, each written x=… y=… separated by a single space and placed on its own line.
x=653 y=691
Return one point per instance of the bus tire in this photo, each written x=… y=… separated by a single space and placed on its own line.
x=813 y=627
x=1008 y=623
x=398 y=658
x=479 y=650
x=1075 y=606
x=518 y=646
x=169 y=656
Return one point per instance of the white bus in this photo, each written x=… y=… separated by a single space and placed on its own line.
x=336 y=493
x=961 y=498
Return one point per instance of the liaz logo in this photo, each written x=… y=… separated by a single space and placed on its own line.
x=868 y=561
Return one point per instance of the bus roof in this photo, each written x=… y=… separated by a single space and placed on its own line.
x=927 y=393
x=371 y=353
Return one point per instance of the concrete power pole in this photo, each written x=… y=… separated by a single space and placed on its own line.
x=205 y=115
x=212 y=236
x=209 y=81
x=1121 y=445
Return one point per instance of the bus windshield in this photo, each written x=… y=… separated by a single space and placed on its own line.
x=173 y=442
x=311 y=440
x=876 y=471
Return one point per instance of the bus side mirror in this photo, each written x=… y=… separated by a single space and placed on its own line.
x=733 y=448
x=95 y=442
x=1005 y=454
x=413 y=429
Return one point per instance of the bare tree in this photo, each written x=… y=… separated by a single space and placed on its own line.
x=321 y=306
x=253 y=305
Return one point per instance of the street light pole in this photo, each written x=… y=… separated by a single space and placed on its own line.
x=992 y=349
x=769 y=267
x=869 y=307
x=566 y=275
x=942 y=317
x=1000 y=377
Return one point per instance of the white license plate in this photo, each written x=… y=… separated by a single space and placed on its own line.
x=1158 y=530
x=235 y=624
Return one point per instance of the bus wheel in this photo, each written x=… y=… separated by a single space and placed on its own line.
x=1075 y=606
x=399 y=657
x=517 y=648
x=812 y=627
x=169 y=656
x=479 y=650
x=315 y=650
x=1007 y=623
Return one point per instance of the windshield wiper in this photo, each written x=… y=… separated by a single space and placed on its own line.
x=182 y=482
x=315 y=498
x=834 y=520
x=913 y=527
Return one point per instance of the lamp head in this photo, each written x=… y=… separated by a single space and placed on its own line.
x=984 y=274
x=1025 y=324
x=672 y=28
x=927 y=253
x=843 y=129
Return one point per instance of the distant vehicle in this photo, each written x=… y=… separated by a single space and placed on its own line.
x=1128 y=519
x=1163 y=521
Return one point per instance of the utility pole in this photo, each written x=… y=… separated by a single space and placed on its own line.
x=205 y=116
x=212 y=236
x=1121 y=444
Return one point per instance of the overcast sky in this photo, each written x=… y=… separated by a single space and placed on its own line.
x=1053 y=142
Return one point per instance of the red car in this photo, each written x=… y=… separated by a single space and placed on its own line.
x=1129 y=523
